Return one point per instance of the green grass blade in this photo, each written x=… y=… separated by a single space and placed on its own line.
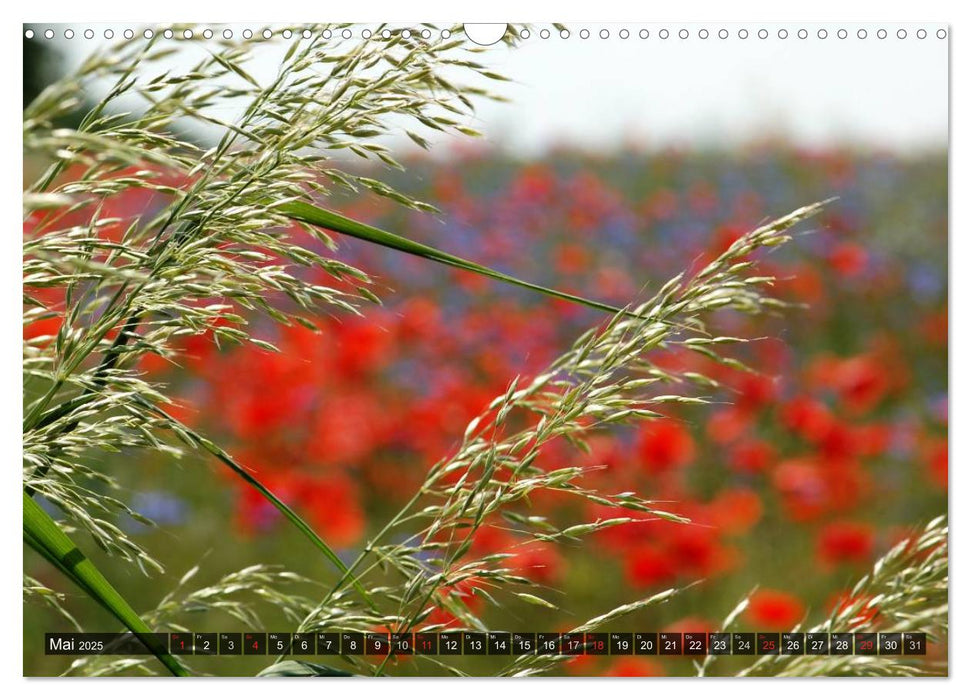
x=50 y=541
x=295 y=667
x=298 y=522
x=310 y=214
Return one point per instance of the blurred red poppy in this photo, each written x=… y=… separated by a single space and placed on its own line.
x=846 y=542
x=774 y=610
x=752 y=456
x=848 y=259
x=860 y=611
x=664 y=444
x=735 y=511
x=649 y=565
x=728 y=425
x=936 y=456
x=634 y=667
x=803 y=488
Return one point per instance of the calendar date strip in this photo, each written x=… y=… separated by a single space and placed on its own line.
x=489 y=643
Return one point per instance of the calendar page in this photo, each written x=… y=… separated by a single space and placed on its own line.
x=505 y=350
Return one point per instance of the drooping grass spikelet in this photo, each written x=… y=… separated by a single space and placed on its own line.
x=905 y=591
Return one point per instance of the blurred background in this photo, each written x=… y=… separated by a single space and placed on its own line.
x=617 y=163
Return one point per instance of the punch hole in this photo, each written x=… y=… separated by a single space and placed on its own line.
x=486 y=34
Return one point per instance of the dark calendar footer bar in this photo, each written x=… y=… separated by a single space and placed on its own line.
x=488 y=643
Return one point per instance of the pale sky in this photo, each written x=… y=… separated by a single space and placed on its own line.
x=889 y=93
x=595 y=92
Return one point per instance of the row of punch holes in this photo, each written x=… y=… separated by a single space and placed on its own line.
x=523 y=33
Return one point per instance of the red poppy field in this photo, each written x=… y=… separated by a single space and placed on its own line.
x=796 y=476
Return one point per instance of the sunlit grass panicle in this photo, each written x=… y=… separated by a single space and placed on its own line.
x=607 y=377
